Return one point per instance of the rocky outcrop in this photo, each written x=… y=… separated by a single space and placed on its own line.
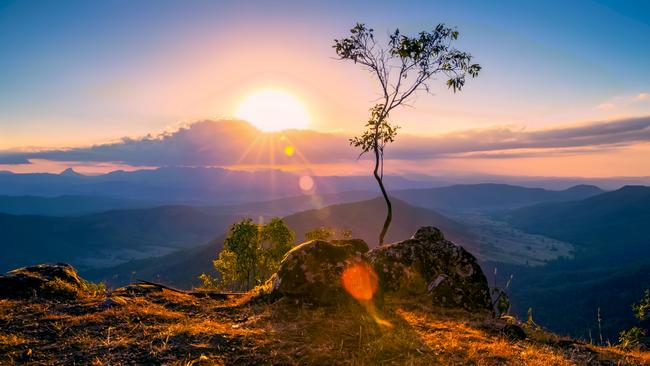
x=429 y=265
x=44 y=280
x=424 y=266
x=312 y=271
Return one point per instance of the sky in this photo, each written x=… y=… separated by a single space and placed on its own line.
x=565 y=86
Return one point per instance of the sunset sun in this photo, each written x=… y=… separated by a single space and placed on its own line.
x=273 y=110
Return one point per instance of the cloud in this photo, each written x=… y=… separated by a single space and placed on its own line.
x=229 y=143
x=12 y=158
x=623 y=101
x=606 y=106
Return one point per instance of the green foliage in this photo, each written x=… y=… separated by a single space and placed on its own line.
x=378 y=133
x=631 y=338
x=642 y=308
x=500 y=299
x=250 y=254
x=636 y=336
x=406 y=65
x=501 y=302
x=60 y=289
x=320 y=233
x=95 y=289
x=327 y=233
x=530 y=321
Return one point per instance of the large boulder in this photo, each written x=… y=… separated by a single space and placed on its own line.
x=312 y=271
x=428 y=265
x=44 y=280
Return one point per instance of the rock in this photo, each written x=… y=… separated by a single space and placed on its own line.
x=357 y=245
x=112 y=302
x=510 y=331
x=513 y=332
x=431 y=266
x=43 y=280
x=137 y=289
x=312 y=271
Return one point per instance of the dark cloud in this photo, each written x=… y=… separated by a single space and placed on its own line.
x=226 y=142
x=620 y=133
x=12 y=158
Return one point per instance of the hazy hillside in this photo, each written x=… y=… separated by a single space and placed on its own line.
x=65 y=205
x=366 y=217
x=490 y=196
x=288 y=205
x=613 y=223
x=565 y=296
x=610 y=268
x=106 y=238
x=199 y=186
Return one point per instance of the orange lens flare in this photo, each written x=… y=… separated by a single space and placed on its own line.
x=360 y=281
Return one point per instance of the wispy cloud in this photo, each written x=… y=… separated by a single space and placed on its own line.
x=606 y=106
x=624 y=101
x=228 y=143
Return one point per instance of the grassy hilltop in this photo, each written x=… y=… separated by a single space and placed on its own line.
x=147 y=325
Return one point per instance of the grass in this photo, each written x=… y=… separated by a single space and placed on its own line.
x=163 y=327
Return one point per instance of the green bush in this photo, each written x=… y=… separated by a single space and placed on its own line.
x=95 y=289
x=635 y=336
x=251 y=254
x=631 y=338
x=57 y=288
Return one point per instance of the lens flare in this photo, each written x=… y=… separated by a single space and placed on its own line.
x=306 y=183
x=360 y=281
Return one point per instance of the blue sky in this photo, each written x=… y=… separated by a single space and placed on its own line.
x=84 y=72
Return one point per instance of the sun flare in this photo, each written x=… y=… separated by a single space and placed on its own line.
x=273 y=110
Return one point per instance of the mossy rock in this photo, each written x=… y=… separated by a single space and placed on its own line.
x=427 y=264
x=44 y=280
x=311 y=272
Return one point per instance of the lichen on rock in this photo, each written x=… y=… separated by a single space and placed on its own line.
x=312 y=270
x=44 y=280
x=429 y=265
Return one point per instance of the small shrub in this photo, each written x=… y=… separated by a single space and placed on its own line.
x=95 y=289
x=209 y=282
x=631 y=338
x=635 y=336
x=251 y=254
x=642 y=308
x=57 y=288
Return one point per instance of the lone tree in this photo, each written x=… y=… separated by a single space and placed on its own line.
x=250 y=254
x=405 y=66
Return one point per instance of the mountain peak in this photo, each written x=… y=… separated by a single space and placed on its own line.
x=71 y=173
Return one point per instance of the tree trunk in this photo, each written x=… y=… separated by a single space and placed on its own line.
x=380 y=181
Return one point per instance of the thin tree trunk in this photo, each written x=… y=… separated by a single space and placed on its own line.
x=389 y=214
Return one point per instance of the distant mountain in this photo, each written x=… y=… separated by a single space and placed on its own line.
x=364 y=218
x=610 y=269
x=66 y=205
x=107 y=238
x=289 y=205
x=613 y=223
x=490 y=196
x=195 y=186
x=71 y=173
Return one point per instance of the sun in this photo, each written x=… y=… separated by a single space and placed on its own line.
x=273 y=110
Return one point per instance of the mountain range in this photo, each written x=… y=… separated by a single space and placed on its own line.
x=591 y=246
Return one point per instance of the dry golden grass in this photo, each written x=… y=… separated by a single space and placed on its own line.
x=168 y=328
